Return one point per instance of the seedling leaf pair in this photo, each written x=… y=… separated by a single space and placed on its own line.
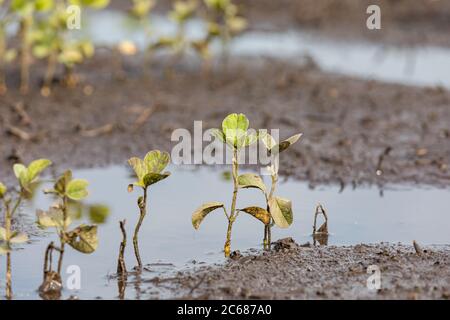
x=149 y=170
x=27 y=176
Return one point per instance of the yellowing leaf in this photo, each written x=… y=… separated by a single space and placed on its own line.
x=83 y=239
x=3 y=190
x=156 y=161
x=281 y=211
x=36 y=167
x=203 y=211
x=235 y=127
x=152 y=178
x=259 y=213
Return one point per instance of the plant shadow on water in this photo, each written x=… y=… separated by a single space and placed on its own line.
x=169 y=243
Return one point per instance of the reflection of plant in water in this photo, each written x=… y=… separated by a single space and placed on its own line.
x=235 y=134
x=83 y=238
x=321 y=234
x=27 y=177
x=278 y=210
x=148 y=171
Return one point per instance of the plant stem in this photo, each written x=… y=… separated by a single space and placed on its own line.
x=121 y=267
x=8 y=255
x=62 y=235
x=142 y=208
x=25 y=26
x=227 y=247
x=268 y=228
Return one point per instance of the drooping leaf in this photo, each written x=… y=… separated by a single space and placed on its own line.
x=156 y=161
x=18 y=237
x=251 y=180
x=285 y=144
x=83 y=239
x=235 y=127
x=152 y=178
x=21 y=173
x=259 y=213
x=281 y=211
x=77 y=189
x=36 y=167
x=203 y=211
x=3 y=190
x=53 y=218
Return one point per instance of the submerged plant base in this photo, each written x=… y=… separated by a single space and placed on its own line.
x=51 y=288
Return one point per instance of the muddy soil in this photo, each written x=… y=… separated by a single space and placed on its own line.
x=423 y=23
x=291 y=271
x=355 y=132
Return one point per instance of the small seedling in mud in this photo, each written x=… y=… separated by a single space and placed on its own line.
x=82 y=238
x=181 y=13
x=279 y=209
x=236 y=135
x=148 y=171
x=224 y=22
x=27 y=178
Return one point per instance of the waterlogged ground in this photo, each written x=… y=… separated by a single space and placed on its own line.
x=169 y=243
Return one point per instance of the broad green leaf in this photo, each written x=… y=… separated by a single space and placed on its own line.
x=99 y=213
x=21 y=173
x=251 y=180
x=83 y=239
x=259 y=213
x=235 y=128
x=285 y=144
x=3 y=190
x=2 y=234
x=77 y=189
x=156 y=161
x=152 y=178
x=281 y=211
x=36 y=167
x=138 y=167
x=203 y=211
x=18 y=237
x=43 y=5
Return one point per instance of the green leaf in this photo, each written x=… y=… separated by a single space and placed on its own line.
x=2 y=234
x=53 y=218
x=76 y=189
x=250 y=180
x=36 y=167
x=138 y=167
x=63 y=180
x=281 y=211
x=3 y=190
x=99 y=213
x=43 y=5
x=235 y=127
x=17 y=237
x=4 y=248
x=83 y=239
x=259 y=213
x=21 y=173
x=153 y=178
x=156 y=161
x=285 y=144
x=203 y=211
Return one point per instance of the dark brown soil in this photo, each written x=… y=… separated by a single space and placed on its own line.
x=350 y=126
x=308 y=272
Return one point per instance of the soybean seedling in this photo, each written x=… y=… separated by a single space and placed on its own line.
x=82 y=238
x=280 y=209
x=236 y=135
x=27 y=177
x=148 y=172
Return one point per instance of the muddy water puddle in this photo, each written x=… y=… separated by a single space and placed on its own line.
x=168 y=242
x=418 y=65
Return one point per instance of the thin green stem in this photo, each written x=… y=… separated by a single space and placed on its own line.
x=233 y=215
x=142 y=211
x=62 y=234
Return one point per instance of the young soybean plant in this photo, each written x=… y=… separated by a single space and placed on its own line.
x=235 y=134
x=278 y=209
x=27 y=177
x=82 y=238
x=148 y=171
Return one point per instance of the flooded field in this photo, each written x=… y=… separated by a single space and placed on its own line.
x=168 y=242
